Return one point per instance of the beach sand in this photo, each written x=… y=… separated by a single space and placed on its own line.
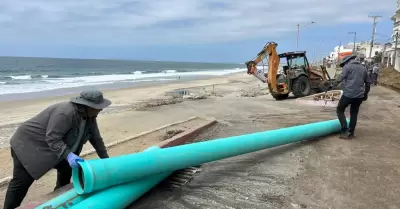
x=325 y=174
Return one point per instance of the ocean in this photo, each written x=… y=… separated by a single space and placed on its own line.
x=23 y=75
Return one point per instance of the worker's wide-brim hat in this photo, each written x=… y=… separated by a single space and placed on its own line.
x=92 y=98
x=347 y=59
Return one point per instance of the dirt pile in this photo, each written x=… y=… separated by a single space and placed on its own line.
x=390 y=77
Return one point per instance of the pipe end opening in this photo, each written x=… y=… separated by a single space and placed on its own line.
x=81 y=177
x=80 y=180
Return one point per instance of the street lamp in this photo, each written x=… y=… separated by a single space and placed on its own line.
x=354 y=44
x=298 y=32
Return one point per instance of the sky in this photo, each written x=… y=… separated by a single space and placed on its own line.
x=185 y=30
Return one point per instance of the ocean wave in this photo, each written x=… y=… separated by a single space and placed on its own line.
x=36 y=83
x=85 y=74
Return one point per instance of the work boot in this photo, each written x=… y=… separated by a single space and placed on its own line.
x=351 y=135
x=345 y=135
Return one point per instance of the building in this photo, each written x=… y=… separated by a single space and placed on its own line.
x=362 y=50
x=389 y=54
x=338 y=53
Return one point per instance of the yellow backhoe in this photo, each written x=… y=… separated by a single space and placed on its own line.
x=297 y=76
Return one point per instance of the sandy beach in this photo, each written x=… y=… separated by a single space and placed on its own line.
x=123 y=100
x=241 y=104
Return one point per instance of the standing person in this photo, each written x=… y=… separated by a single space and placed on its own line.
x=356 y=86
x=54 y=139
x=375 y=73
x=369 y=70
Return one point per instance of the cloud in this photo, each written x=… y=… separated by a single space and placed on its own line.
x=131 y=22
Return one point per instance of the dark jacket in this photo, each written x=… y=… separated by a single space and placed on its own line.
x=355 y=80
x=41 y=142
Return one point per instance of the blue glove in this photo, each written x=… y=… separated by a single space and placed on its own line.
x=73 y=160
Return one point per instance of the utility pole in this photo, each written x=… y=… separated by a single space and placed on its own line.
x=395 y=49
x=338 y=55
x=375 y=17
x=354 y=42
x=298 y=33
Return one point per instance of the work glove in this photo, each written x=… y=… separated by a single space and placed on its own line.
x=73 y=160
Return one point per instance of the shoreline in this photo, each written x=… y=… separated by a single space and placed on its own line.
x=102 y=87
x=64 y=92
x=75 y=90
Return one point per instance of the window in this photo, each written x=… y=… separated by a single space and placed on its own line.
x=297 y=62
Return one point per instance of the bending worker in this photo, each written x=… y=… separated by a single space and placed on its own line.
x=356 y=86
x=54 y=139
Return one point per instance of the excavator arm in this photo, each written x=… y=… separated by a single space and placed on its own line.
x=269 y=52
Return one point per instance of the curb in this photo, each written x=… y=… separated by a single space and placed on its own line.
x=183 y=137
x=176 y=140
x=112 y=144
x=4 y=181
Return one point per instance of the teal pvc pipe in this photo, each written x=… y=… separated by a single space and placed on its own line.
x=71 y=198
x=100 y=174
x=64 y=201
x=121 y=196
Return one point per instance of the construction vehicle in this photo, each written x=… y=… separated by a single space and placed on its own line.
x=297 y=76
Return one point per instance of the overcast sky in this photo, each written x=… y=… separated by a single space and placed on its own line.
x=183 y=30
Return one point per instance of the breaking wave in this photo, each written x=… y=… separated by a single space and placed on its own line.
x=35 y=83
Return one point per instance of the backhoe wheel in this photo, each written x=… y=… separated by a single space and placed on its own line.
x=280 y=96
x=301 y=87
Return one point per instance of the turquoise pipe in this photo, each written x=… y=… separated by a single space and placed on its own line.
x=94 y=175
x=71 y=198
x=121 y=196
x=64 y=201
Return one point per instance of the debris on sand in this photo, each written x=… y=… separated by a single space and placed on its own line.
x=390 y=77
x=194 y=97
x=328 y=96
x=328 y=99
x=186 y=94
x=156 y=103
x=179 y=93
x=171 y=133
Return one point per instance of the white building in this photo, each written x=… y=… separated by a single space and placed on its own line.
x=390 y=51
x=362 y=50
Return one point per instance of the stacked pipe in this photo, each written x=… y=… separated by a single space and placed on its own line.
x=118 y=181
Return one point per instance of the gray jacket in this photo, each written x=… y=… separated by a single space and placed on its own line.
x=41 y=142
x=355 y=79
x=376 y=69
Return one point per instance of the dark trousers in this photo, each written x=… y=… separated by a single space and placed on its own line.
x=355 y=104
x=375 y=78
x=22 y=180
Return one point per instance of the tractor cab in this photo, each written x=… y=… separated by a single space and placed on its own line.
x=296 y=64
